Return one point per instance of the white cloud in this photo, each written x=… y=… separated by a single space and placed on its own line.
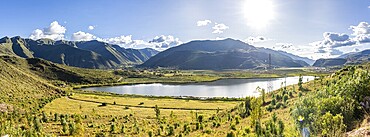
x=55 y=32
x=91 y=27
x=284 y=45
x=164 y=42
x=252 y=40
x=159 y=42
x=121 y=40
x=361 y=28
x=83 y=36
x=220 y=38
x=203 y=22
x=219 y=28
x=334 y=40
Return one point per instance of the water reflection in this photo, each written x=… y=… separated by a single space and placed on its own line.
x=220 y=88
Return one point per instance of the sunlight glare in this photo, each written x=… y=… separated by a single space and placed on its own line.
x=258 y=12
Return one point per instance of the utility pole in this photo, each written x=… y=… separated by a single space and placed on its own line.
x=269 y=61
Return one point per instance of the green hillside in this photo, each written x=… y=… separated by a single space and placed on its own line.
x=21 y=89
x=329 y=62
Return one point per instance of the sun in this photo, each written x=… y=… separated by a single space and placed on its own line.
x=258 y=12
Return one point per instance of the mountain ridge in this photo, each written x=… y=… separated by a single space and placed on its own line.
x=219 y=54
x=345 y=59
x=85 y=54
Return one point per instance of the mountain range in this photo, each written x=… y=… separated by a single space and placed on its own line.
x=199 y=54
x=220 y=54
x=85 y=54
x=345 y=59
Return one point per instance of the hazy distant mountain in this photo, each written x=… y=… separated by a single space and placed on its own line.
x=86 y=54
x=219 y=54
x=359 y=57
x=295 y=57
x=329 y=62
x=349 y=58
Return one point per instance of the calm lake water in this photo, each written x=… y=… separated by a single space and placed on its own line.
x=220 y=88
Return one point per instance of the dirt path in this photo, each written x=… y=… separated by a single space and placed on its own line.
x=138 y=106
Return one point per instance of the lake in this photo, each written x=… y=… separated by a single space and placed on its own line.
x=220 y=88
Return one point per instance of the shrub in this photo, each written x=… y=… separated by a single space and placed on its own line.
x=278 y=105
x=278 y=97
x=37 y=124
x=237 y=119
x=150 y=133
x=273 y=102
x=200 y=118
x=231 y=134
x=208 y=131
x=44 y=117
x=103 y=104
x=112 y=128
x=72 y=128
x=197 y=126
x=285 y=98
x=123 y=129
x=170 y=131
x=270 y=108
x=157 y=112
x=247 y=130
x=233 y=127
x=56 y=117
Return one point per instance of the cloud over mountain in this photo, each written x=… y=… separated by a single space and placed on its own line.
x=159 y=42
x=252 y=40
x=165 y=41
x=83 y=36
x=219 y=28
x=332 y=40
x=55 y=32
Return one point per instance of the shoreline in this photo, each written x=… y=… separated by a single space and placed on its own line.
x=81 y=90
x=167 y=82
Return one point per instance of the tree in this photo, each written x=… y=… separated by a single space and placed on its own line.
x=231 y=134
x=300 y=82
x=56 y=117
x=247 y=107
x=273 y=102
x=44 y=117
x=157 y=112
x=64 y=125
x=150 y=133
x=72 y=128
x=332 y=125
x=285 y=98
x=200 y=118
x=37 y=124
x=263 y=93
x=256 y=107
x=112 y=128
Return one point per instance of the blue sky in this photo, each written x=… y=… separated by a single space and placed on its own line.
x=296 y=26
